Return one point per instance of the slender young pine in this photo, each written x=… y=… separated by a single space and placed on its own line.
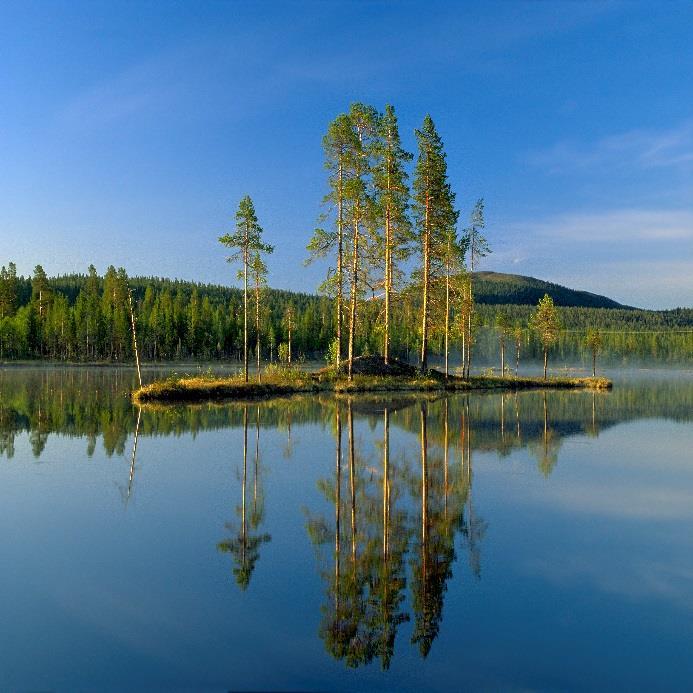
x=134 y=336
x=477 y=247
x=392 y=197
x=476 y=242
x=504 y=331
x=545 y=323
x=247 y=239
x=339 y=145
x=259 y=273
x=518 y=333
x=289 y=320
x=594 y=343
x=466 y=317
x=434 y=214
x=454 y=286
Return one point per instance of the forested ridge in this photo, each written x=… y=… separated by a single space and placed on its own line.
x=498 y=287
x=182 y=320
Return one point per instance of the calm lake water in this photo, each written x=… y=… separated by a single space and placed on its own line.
x=542 y=540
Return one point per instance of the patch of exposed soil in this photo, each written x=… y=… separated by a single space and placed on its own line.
x=376 y=366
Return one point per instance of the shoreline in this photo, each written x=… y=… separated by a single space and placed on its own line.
x=198 y=389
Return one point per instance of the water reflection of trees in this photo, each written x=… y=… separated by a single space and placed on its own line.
x=246 y=539
x=94 y=404
x=399 y=522
x=403 y=520
x=365 y=587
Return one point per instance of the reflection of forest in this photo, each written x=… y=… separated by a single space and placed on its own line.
x=402 y=511
x=94 y=403
x=392 y=513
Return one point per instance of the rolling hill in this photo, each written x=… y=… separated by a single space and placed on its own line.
x=497 y=288
x=491 y=288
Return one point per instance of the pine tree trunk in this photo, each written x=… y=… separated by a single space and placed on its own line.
x=517 y=358
x=354 y=291
x=388 y=283
x=546 y=361
x=447 y=316
x=502 y=346
x=594 y=364
x=340 y=268
x=464 y=352
x=426 y=281
x=245 y=315
x=469 y=350
x=257 y=330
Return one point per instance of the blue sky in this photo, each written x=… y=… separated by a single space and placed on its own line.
x=130 y=130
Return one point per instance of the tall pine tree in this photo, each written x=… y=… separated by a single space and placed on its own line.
x=392 y=196
x=247 y=239
x=434 y=214
x=339 y=144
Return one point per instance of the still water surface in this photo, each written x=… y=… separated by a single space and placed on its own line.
x=540 y=540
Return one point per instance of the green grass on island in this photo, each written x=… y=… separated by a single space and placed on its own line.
x=370 y=374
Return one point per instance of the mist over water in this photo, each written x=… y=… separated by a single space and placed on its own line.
x=482 y=540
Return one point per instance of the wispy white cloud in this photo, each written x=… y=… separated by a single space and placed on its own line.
x=640 y=257
x=205 y=70
x=628 y=501
x=615 y=225
x=631 y=577
x=132 y=92
x=641 y=148
x=184 y=80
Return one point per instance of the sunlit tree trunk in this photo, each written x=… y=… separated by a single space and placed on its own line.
x=354 y=291
x=340 y=264
x=447 y=312
x=245 y=314
x=388 y=280
x=425 y=287
x=257 y=329
x=502 y=350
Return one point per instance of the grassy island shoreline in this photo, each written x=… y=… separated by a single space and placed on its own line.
x=289 y=381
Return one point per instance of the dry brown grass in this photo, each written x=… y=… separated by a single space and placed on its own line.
x=207 y=388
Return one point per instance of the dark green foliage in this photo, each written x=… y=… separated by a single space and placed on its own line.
x=8 y=290
x=185 y=320
x=496 y=287
x=434 y=216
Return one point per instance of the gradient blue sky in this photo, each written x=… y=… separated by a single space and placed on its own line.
x=130 y=130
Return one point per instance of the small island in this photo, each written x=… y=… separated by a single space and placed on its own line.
x=369 y=374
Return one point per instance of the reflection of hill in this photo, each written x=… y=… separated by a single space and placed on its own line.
x=93 y=403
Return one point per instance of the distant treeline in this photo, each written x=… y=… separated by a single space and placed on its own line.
x=86 y=318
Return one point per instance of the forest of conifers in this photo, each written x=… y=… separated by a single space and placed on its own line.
x=85 y=318
x=401 y=280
